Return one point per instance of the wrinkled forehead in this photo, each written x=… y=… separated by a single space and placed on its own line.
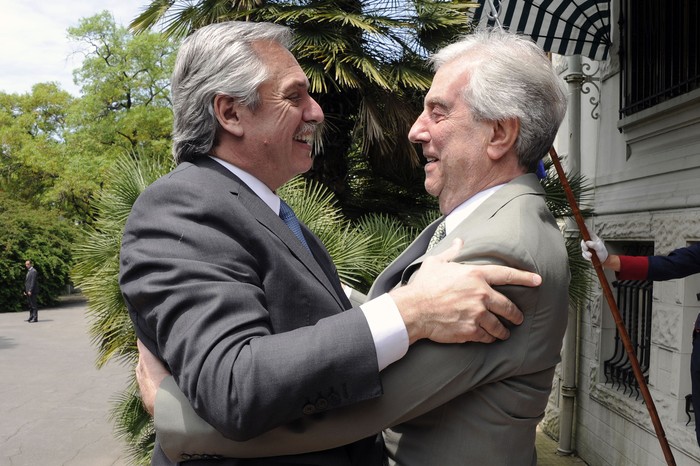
x=279 y=62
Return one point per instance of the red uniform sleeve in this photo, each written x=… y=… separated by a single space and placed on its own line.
x=633 y=268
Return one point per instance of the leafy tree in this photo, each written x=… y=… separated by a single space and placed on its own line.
x=43 y=237
x=125 y=81
x=32 y=153
x=126 y=106
x=55 y=149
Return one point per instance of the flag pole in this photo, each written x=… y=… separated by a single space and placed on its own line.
x=607 y=291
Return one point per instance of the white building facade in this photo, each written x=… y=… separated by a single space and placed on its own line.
x=638 y=129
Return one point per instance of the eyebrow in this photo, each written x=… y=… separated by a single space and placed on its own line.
x=436 y=102
x=296 y=84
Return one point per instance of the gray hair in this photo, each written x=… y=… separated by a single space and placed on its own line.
x=216 y=59
x=513 y=79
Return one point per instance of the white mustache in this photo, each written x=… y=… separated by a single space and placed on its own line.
x=309 y=128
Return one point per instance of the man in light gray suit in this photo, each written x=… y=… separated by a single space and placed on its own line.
x=244 y=305
x=492 y=112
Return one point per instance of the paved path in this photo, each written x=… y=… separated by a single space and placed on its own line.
x=54 y=402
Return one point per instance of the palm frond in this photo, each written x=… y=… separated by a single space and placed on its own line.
x=96 y=267
x=134 y=425
x=556 y=196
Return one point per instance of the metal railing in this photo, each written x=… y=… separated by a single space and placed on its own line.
x=659 y=52
x=634 y=299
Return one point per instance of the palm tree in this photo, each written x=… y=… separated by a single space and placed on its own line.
x=365 y=62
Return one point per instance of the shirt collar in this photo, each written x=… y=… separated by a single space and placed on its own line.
x=464 y=210
x=257 y=186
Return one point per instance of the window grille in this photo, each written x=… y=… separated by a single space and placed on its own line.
x=659 y=52
x=634 y=301
x=634 y=298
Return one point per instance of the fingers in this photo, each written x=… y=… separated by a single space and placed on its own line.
x=150 y=372
x=481 y=335
x=503 y=307
x=585 y=252
x=595 y=245
x=450 y=253
x=502 y=275
x=491 y=329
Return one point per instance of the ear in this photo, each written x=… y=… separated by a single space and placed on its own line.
x=228 y=113
x=503 y=136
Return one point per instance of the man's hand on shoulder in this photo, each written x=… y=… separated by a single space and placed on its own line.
x=448 y=302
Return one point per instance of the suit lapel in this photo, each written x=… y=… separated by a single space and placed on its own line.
x=267 y=218
x=391 y=276
x=527 y=184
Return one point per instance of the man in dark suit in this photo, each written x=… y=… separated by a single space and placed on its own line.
x=245 y=309
x=31 y=290
x=483 y=130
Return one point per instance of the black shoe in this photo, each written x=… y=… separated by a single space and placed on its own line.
x=34 y=320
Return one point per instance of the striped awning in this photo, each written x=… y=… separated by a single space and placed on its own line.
x=566 y=27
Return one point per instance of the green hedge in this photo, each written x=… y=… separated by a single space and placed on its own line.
x=37 y=234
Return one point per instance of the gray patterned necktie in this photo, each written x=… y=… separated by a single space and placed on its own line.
x=288 y=216
x=440 y=233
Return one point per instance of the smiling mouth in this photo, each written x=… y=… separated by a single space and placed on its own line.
x=304 y=138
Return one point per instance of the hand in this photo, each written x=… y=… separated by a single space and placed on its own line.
x=150 y=372
x=597 y=245
x=449 y=302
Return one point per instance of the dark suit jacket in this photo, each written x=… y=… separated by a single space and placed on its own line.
x=30 y=281
x=679 y=263
x=250 y=324
x=471 y=404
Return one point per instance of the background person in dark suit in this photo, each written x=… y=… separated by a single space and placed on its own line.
x=679 y=263
x=247 y=315
x=31 y=291
x=484 y=128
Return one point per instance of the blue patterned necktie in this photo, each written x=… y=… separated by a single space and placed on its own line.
x=287 y=215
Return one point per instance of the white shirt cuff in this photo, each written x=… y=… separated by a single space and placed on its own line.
x=388 y=329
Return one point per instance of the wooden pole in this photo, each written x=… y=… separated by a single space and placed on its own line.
x=624 y=336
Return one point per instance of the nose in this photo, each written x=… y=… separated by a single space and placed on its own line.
x=314 y=112
x=418 y=132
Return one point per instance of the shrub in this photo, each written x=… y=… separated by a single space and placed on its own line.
x=37 y=234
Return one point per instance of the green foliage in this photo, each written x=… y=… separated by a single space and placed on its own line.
x=41 y=236
x=96 y=257
x=32 y=153
x=96 y=272
x=558 y=204
x=56 y=150
x=359 y=251
x=133 y=424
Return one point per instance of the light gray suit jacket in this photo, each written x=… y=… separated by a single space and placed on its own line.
x=471 y=404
